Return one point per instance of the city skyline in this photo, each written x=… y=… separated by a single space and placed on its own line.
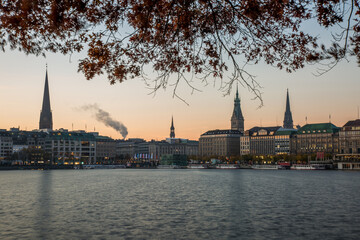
x=149 y=117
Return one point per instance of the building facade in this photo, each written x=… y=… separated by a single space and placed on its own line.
x=105 y=149
x=6 y=145
x=126 y=149
x=220 y=143
x=27 y=139
x=62 y=147
x=314 y=138
x=29 y=146
x=283 y=140
x=262 y=140
x=349 y=138
x=76 y=147
x=173 y=146
x=245 y=144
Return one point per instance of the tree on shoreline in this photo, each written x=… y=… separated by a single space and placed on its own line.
x=188 y=39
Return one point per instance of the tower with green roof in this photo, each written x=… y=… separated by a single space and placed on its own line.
x=237 y=119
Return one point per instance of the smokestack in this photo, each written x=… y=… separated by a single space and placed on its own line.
x=104 y=117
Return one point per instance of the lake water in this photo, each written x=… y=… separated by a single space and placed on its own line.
x=179 y=204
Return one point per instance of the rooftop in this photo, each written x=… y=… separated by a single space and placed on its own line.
x=263 y=131
x=71 y=135
x=4 y=134
x=221 y=132
x=285 y=131
x=318 y=128
x=353 y=123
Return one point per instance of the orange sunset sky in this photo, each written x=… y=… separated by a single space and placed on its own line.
x=335 y=93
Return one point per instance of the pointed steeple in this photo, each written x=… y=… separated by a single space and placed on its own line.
x=237 y=92
x=172 y=129
x=46 y=115
x=237 y=119
x=287 y=101
x=288 y=121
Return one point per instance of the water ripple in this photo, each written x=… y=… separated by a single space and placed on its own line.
x=179 y=204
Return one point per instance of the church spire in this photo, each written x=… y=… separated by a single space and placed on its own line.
x=287 y=101
x=172 y=129
x=288 y=121
x=46 y=115
x=237 y=119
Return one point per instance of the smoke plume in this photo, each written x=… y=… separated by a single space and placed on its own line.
x=104 y=117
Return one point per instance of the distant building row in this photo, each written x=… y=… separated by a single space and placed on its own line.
x=61 y=146
x=309 y=139
x=69 y=147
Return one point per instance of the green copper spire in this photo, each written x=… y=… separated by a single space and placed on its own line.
x=237 y=119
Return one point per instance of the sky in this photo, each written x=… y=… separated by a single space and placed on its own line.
x=22 y=77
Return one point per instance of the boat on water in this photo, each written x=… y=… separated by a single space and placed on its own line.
x=227 y=166
x=197 y=166
x=308 y=167
x=284 y=165
x=266 y=167
x=302 y=167
x=319 y=166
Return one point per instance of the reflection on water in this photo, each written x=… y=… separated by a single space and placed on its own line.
x=43 y=209
x=179 y=204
